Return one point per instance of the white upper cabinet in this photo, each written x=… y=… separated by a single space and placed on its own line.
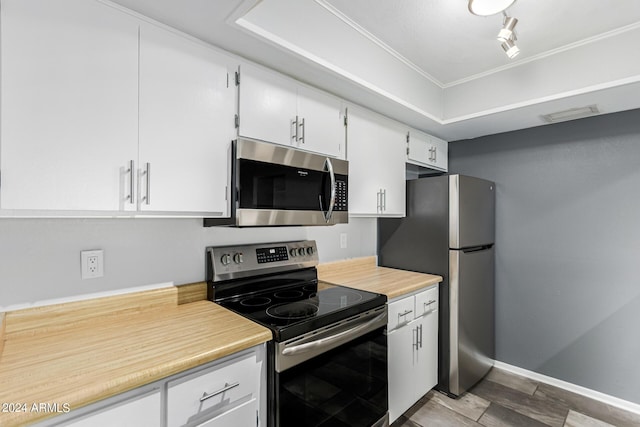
x=377 y=156
x=277 y=109
x=267 y=106
x=69 y=105
x=187 y=102
x=320 y=122
x=427 y=150
x=104 y=113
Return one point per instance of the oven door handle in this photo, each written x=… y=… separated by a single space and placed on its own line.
x=332 y=339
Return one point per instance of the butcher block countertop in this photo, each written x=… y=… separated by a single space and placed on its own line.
x=80 y=352
x=364 y=274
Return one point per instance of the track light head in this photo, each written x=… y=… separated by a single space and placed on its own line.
x=510 y=48
x=508 y=27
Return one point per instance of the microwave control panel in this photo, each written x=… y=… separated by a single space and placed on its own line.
x=341 y=196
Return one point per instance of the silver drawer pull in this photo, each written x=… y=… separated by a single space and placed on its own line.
x=226 y=387
x=427 y=305
x=405 y=313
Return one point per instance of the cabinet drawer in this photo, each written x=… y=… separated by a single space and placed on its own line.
x=206 y=394
x=243 y=415
x=400 y=312
x=426 y=301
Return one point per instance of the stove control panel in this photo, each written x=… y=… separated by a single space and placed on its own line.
x=228 y=262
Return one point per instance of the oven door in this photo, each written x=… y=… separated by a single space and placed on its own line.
x=276 y=185
x=333 y=377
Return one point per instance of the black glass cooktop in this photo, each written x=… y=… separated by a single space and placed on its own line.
x=294 y=309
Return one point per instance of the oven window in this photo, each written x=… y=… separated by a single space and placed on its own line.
x=273 y=186
x=346 y=387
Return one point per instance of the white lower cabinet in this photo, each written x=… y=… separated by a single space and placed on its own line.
x=412 y=340
x=228 y=392
x=139 y=411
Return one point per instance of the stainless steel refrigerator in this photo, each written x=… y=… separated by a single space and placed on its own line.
x=449 y=230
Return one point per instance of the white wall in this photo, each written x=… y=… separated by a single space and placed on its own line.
x=40 y=258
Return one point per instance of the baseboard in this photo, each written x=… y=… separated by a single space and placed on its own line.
x=587 y=392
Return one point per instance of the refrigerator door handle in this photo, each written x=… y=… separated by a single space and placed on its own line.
x=477 y=248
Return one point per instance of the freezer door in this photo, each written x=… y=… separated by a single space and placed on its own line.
x=471 y=212
x=471 y=317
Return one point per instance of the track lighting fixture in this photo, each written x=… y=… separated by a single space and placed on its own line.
x=508 y=26
x=488 y=7
x=506 y=36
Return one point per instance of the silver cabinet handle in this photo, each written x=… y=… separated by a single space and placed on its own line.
x=405 y=313
x=435 y=154
x=131 y=172
x=301 y=124
x=415 y=338
x=147 y=173
x=294 y=133
x=420 y=339
x=384 y=199
x=332 y=201
x=226 y=387
x=432 y=155
x=427 y=305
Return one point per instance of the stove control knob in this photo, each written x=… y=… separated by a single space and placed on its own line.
x=225 y=259
x=238 y=258
x=301 y=251
x=310 y=250
x=293 y=252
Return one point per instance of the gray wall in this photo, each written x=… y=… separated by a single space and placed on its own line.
x=40 y=258
x=568 y=247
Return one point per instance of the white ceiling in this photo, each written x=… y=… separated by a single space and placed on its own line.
x=448 y=75
x=448 y=43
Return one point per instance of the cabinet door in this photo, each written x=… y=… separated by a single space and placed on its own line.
x=427 y=150
x=69 y=105
x=401 y=344
x=135 y=412
x=321 y=123
x=420 y=149
x=426 y=356
x=267 y=106
x=377 y=157
x=186 y=124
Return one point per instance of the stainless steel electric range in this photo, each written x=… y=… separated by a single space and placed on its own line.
x=327 y=362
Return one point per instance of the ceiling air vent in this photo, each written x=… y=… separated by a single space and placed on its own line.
x=573 y=113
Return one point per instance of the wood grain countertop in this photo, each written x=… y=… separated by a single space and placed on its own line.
x=363 y=273
x=81 y=352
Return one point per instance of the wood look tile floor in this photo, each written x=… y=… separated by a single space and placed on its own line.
x=504 y=399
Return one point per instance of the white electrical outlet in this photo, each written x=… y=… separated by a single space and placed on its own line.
x=343 y=240
x=92 y=264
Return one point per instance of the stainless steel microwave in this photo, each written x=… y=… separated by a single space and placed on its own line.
x=274 y=185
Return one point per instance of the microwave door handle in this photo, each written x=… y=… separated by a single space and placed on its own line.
x=329 y=166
